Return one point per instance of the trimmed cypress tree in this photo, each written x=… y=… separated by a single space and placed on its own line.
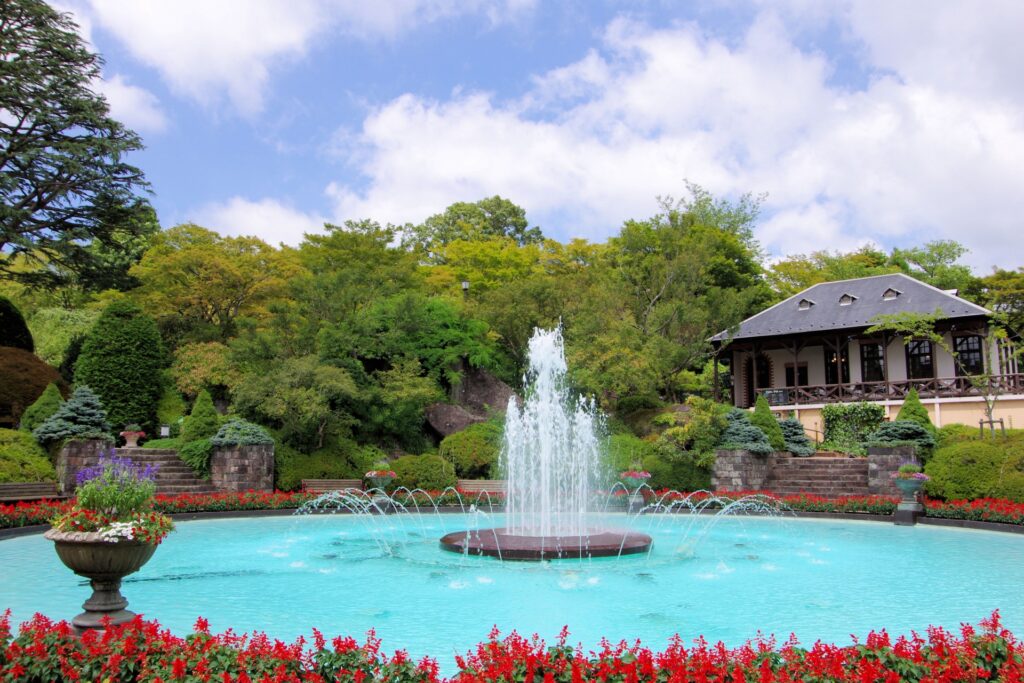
x=13 y=330
x=203 y=422
x=914 y=411
x=46 y=405
x=121 y=360
x=81 y=417
x=766 y=422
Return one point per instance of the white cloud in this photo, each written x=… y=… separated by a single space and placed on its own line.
x=269 y=219
x=134 y=106
x=906 y=158
x=227 y=49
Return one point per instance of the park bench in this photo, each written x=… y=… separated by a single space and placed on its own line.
x=326 y=485
x=12 y=493
x=482 y=485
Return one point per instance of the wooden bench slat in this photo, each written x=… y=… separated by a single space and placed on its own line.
x=482 y=485
x=29 y=491
x=325 y=485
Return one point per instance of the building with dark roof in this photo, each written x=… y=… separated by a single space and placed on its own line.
x=813 y=348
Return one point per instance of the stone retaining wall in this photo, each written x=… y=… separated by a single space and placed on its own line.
x=741 y=470
x=76 y=456
x=243 y=468
x=882 y=463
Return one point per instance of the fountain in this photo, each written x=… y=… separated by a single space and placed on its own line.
x=551 y=459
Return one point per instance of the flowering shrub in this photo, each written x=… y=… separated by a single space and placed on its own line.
x=115 y=492
x=143 y=651
x=381 y=474
x=910 y=470
x=635 y=474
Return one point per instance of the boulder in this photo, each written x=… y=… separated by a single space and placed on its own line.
x=482 y=392
x=447 y=419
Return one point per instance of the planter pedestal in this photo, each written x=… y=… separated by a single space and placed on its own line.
x=104 y=563
x=909 y=509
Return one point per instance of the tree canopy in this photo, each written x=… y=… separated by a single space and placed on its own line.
x=65 y=184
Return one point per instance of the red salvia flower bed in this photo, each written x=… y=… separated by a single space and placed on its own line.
x=44 y=650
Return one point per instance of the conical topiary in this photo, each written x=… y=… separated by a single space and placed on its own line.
x=795 y=435
x=203 y=422
x=766 y=422
x=82 y=417
x=914 y=411
x=46 y=405
x=13 y=330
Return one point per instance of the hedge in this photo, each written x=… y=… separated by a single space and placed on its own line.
x=22 y=460
x=474 y=451
x=428 y=472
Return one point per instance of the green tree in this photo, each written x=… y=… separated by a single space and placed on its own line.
x=81 y=417
x=204 y=420
x=122 y=359
x=796 y=273
x=13 y=330
x=200 y=282
x=55 y=328
x=490 y=217
x=935 y=263
x=46 y=405
x=913 y=410
x=62 y=161
x=1003 y=291
x=764 y=420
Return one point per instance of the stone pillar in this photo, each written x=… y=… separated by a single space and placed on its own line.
x=243 y=468
x=75 y=456
x=883 y=462
x=740 y=471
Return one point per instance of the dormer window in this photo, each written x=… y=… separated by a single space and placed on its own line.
x=847 y=299
x=890 y=294
x=805 y=304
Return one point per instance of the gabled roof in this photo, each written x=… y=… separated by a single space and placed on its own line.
x=826 y=313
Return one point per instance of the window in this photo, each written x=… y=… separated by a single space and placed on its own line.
x=969 y=355
x=805 y=304
x=847 y=299
x=801 y=375
x=890 y=294
x=834 y=374
x=919 y=360
x=872 y=362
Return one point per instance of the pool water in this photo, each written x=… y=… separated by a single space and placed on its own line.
x=726 y=579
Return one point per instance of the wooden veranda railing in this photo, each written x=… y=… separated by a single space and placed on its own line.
x=944 y=387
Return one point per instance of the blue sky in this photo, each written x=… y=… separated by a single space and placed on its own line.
x=886 y=122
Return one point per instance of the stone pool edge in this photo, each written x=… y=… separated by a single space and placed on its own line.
x=1003 y=527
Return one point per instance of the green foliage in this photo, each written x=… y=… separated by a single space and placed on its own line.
x=13 y=330
x=474 y=451
x=306 y=401
x=116 y=487
x=174 y=443
x=795 y=435
x=22 y=460
x=122 y=359
x=196 y=454
x=171 y=409
x=979 y=468
x=239 y=432
x=67 y=365
x=903 y=433
x=632 y=404
x=427 y=472
x=81 y=417
x=914 y=411
x=955 y=433
x=65 y=170
x=741 y=435
x=46 y=405
x=626 y=452
x=204 y=420
x=487 y=218
x=764 y=420
x=23 y=379
x=55 y=328
x=848 y=424
x=679 y=470
x=340 y=459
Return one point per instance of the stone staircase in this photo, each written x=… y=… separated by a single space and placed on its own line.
x=173 y=476
x=820 y=476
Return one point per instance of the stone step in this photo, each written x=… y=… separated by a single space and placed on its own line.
x=838 y=465
x=819 y=476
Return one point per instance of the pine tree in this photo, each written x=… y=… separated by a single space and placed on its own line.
x=13 y=330
x=914 y=411
x=46 y=405
x=122 y=360
x=82 y=417
x=797 y=442
x=203 y=422
x=764 y=419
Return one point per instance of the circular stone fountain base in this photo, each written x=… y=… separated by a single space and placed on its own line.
x=500 y=543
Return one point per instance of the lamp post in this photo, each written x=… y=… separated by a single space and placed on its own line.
x=465 y=289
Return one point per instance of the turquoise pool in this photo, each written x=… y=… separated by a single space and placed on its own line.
x=725 y=579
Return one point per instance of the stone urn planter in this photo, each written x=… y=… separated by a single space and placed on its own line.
x=104 y=563
x=909 y=488
x=131 y=438
x=909 y=508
